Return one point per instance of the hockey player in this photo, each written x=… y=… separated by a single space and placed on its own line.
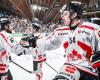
x=39 y=56
x=7 y=46
x=80 y=40
x=96 y=57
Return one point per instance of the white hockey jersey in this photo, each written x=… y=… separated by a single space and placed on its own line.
x=7 y=44
x=79 y=44
x=39 y=54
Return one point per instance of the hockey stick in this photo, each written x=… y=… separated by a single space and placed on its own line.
x=51 y=67
x=21 y=67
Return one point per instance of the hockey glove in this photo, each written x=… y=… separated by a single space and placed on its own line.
x=32 y=41
x=95 y=59
x=29 y=41
x=24 y=43
x=67 y=72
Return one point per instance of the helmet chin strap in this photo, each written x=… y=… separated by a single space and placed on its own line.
x=70 y=24
x=73 y=27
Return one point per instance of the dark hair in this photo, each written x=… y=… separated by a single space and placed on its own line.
x=74 y=6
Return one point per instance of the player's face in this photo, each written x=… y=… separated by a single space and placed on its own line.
x=65 y=17
x=29 y=30
x=9 y=28
x=34 y=30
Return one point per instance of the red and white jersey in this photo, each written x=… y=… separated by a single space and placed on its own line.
x=39 y=54
x=79 y=44
x=7 y=43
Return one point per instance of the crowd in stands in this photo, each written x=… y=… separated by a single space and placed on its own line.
x=20 y=23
